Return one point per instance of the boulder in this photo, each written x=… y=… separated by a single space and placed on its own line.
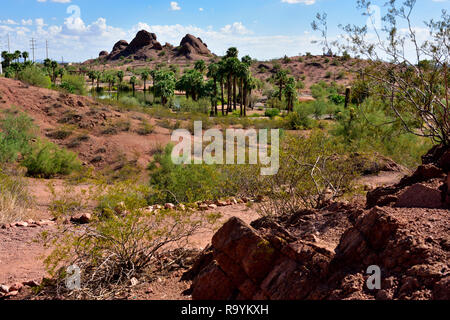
x=427 y=172
x=103 y=54
x=119 y=46
x=81 y=218
x=143 y=39
x=191 y=45
x=419 y=196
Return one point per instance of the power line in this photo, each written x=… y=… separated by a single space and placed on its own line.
x=33 y=47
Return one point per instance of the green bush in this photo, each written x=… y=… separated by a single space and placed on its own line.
x=372 y=128
x=201 y=106
x=74 y=84
x=299 y=119
x=35 y=76
x=47 y=160
x=272 y=113
x=16 y=131
x=186 y=183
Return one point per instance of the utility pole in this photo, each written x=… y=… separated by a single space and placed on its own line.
x=9 y=45
x=46 y=48
x=33 y=47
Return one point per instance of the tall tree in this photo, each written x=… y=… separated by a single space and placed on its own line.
x=164 y=85
x=200 y=66
x=213 y=72
x=17 y=55
x=280 y=79
x=144 y=76
x=290 y=93
x=133 y=81
x=25 y=56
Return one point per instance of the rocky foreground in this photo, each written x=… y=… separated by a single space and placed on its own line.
x=325 y=254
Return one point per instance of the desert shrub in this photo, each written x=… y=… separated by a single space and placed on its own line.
x=337 y=99
x=117 y=248
x=68 y=201
x=16 y=132
x=272 y=113
x=371 y=127
x=145 y=128
x=15 y=199
x=47 y=160
x=129 y=101
x=319 y=108
x=299 y=119
x=73 y=84
x=35 y=76
x=185 y=183
x=312 y=171
x=201 y=106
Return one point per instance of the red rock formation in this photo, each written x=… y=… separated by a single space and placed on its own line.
x=191 y=46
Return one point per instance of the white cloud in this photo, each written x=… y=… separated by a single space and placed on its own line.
x=174 y=6
x=307 y=2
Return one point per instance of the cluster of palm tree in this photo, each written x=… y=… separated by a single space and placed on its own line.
x=229 y=76
x=9 y=58
x=228 y=81
x=11 y=62
x=53 y=70
x=287 y=86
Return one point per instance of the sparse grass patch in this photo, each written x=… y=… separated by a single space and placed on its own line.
x=15 y=199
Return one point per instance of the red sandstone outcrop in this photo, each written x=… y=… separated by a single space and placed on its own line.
x=326 y=254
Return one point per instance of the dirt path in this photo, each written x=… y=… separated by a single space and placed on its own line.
x=21 y=256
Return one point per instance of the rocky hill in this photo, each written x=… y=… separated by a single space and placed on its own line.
x=145 y=47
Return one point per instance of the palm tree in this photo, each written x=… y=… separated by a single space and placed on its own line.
x=54 y=69
x=7 y=57
x=98 y=77
x=221 y=75
x=145 y=75
x=17 y=55
x=133 y=81
x=25 y=56
x=290 y=92
x=200 y=65
x=281 y=79
x=213 y=72
x=242 y=74
x=92 y=77
x=232 y=64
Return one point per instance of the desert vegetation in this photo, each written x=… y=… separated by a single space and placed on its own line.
x=128 y=214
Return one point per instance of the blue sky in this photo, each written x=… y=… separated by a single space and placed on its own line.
x=79 y=29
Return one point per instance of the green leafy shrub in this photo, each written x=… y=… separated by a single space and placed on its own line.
x=35 y=76
x=16 y=132
x=272 y=113
x=185 y=183
x=73 y=84
x=48 y=160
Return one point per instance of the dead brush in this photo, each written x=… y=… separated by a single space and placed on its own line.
x=116 y=248
x=14 y=199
